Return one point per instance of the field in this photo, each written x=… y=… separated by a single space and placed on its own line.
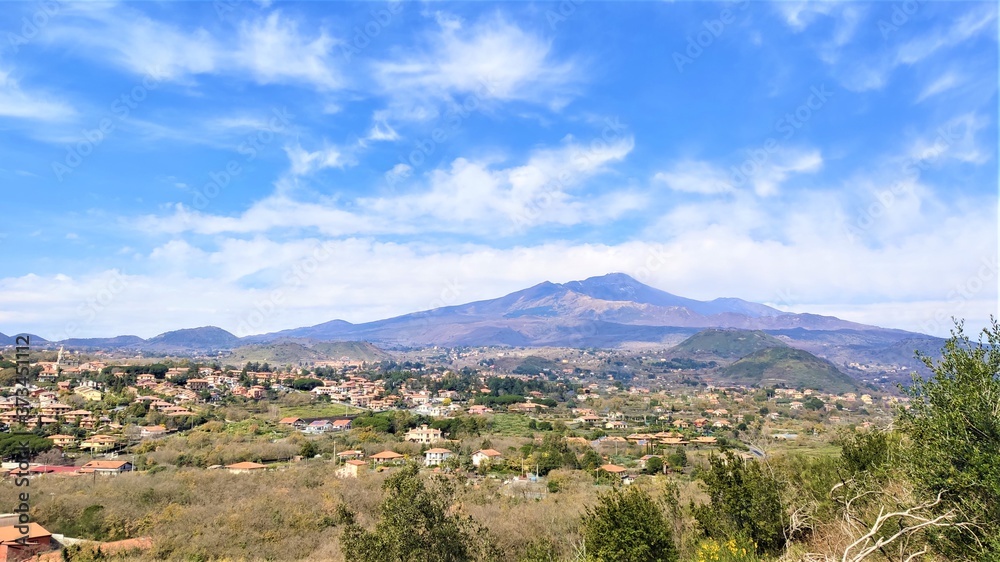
x=510 y=424
x=316 y=411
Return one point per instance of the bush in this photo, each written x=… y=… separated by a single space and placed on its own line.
x=953 y=438
x=414 y=524
x=627 y=526
x=746 y=501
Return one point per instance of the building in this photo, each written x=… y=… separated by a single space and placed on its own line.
x=341 y=425
x=91 y=394
x=16 y=545
x=436 y=456
x=149 y=431
x=197 y=384
x=297 y=423
x=245 y=467
x=319 y=426
x=106 y=468
x=99 y=442
x=424 y=435
x=63 y=440
x=485 y=456
x=386 y=457
x=352 y=469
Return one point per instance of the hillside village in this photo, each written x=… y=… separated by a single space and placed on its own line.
x=501 y=414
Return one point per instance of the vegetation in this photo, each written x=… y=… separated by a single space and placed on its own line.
x=415 y=526
x=627 y=526
x=790 y=367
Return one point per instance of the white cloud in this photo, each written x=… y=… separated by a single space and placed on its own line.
x=768 y=180
x=304 y=162
x=256 y=285
x=941 y=84
x=471 y=196
x=269 y=49
x=274 y=50
x=18 y=103
x=480 y=196
x=764 y=176
x=381 y=130
x=694 y=176
x=492 y=58
x=968 y=25
x=955 y=140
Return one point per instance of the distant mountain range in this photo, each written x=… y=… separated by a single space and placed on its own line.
x=606 y=311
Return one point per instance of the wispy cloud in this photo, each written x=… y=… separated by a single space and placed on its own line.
x=493 y=53
x=18 y=103
x=269 y=49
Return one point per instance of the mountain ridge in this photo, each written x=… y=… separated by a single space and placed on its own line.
x=603 y=311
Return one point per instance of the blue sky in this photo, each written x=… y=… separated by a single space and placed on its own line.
x=260 y=166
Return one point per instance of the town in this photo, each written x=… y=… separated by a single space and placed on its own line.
x=498 y=414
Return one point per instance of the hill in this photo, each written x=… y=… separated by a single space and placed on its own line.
x=793 y=368
x=725 y=344
x=350 y=350
x=119 y=342
x=295 y=352
x=207 y=338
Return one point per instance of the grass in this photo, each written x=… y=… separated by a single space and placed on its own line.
x=318 y=411
x=510 y=424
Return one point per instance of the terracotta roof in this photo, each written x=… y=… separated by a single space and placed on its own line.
x=439 y=450
x=384 y=455
x=612 y=468
x=103 y=465
x=489 y=452
x=356 y=462
x=246 y=466
x=289 y=420
x=35 y=531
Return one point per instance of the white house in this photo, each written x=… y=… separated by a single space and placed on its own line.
x=485 y=455
x=319 y=426
x=436 y=456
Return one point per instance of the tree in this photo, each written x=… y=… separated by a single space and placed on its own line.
x=952 y=431
x=627 y=526
x=813 y=403
x=654 y=465
x=308 y=450
x=415 y=526
x=746 y=502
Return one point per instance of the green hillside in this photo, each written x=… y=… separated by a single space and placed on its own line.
x=293 y=353
x=353 y=350
x=725 y=344
x=793 y=368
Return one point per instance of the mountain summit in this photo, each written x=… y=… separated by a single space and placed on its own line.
x=599 y=311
